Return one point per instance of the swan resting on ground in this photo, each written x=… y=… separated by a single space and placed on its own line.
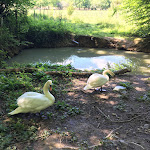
x=98 y=80
x=32 y=102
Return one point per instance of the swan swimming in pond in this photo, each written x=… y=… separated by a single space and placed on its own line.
x=32 y=102
x=98 y=80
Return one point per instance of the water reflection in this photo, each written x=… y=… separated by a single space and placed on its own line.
x=85 y=58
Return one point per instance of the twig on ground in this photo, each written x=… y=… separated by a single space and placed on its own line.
x=137 y=145
x=107 y=117
x=112 y=132
x=120 y=121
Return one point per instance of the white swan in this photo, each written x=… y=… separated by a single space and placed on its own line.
x=98 y=80
x=32 y=102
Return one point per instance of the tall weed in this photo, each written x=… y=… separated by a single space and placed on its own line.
x=46 y=32
x=100 y=23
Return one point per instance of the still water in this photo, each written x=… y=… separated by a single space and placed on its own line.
x=85 y=58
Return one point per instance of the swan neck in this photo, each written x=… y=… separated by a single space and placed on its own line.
x=47 y=93
x=105 y=74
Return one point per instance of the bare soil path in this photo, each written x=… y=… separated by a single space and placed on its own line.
x=109 y=120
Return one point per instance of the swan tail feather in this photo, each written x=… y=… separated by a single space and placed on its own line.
x=87 y=87
x=16 y=111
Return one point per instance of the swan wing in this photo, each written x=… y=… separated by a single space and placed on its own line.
x=96 y=80
x=32 y=100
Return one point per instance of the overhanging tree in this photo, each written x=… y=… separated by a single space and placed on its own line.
x=138 y=11
x=13 y=14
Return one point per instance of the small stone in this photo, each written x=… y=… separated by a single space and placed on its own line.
x=146 y=126
x=138 y=129
x=119 y=88
x=114 y=114
x=123 y=142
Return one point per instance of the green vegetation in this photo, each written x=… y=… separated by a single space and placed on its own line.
x=21 y=25
x=137 y=11
x=80 y=4
x=3 y=56
x=93 y=23
x=15 y=131
x=24 y=127
x=121 y=106
x=70 y=10
x=144 y=98
x=45 y=32
x=128 y=85
x=51 y=26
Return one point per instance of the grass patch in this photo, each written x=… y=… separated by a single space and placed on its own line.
x=90 y=22
x=24 y=127
x=144 y=98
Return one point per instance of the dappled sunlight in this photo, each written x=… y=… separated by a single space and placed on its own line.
x=101 y=52
x=146 y=56
x=58 y=141
x=103 y=96
x=144 y=70
x=105 y=131
x=77 y=82
x=137 y=40
x=84 y=101
x=94 y=140
x=147 y=61
x=140 y=89
x=130 y=52
x=111 y=102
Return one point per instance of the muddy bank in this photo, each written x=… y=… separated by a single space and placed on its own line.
x=136 y=44
x=132 y=44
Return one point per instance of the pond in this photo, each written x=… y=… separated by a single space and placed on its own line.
x=85 y=58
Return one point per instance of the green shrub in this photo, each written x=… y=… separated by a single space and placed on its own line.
x=44 y=32
x=3 y=56
x=8 y=41
x=70 y=10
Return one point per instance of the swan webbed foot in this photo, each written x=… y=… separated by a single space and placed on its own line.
x=100 y=89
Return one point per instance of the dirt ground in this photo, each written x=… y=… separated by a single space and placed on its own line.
x=108 y=121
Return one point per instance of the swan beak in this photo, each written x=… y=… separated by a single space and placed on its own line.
x=50 y=88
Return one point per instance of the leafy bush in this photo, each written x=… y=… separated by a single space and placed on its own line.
x=9 y=43
x=70 y=10
x=8 y=40
x=3 y=56
x=44 y=32
x=137 y=11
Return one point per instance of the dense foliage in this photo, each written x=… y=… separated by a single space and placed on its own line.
x=13 y=15
x=13 y=24
x=138 y=12
x=46 y=33
x=86 y=4
x=16 y=26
